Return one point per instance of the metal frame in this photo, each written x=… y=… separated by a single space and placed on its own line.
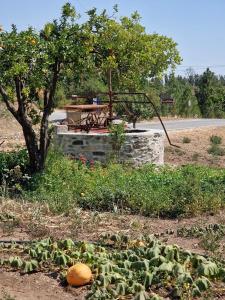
x=113 y=101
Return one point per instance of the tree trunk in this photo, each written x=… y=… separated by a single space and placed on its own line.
x=35 y=162
x=44 y=138
x=37 y=145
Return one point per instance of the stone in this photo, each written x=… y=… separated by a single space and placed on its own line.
x=138 y=148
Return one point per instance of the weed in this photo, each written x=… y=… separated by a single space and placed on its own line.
x=210 y=241
x=216 y=150
x=37 y=230
x=179 y=151
x=210 y=236
x=117 y=134
x=215 y=140
x=6 y=296
x=195 y=157
x=186 y=140
x=136 y=224
x=77 y=224
x=148 y=190
x=8 y=223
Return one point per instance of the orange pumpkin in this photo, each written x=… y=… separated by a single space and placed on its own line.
x=79 y=274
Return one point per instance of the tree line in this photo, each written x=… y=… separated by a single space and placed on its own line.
x=194 y=95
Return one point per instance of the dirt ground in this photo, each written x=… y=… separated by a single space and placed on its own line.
x=196 y=151
x=34 y=221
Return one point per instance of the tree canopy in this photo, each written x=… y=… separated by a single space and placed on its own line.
x=124 y=46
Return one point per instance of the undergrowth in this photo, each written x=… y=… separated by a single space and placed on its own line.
x=149 y=190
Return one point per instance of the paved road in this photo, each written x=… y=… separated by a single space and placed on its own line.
x=183 y=124
x=173 y=125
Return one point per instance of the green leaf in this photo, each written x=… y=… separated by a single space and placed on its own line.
x=196 y=292
x=133 y=258
x=157 y=261
x=121 y=288
x=16 y=262
x=166 y=267
x=140 y=265
x=208 y=269
x=148 y=279
x=138 y=287
x=62 y=260
x=30 y=266
x=154 y=252
x=141 y=296
x=202 y=283
x=67 y=244
x=33 y=253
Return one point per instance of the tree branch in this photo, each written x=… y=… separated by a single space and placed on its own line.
x=48 y=105
x=20 y=99
x=54 y=84
x=6 y=100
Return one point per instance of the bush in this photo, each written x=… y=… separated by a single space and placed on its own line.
x=215 y=140
x=216 y=150
x=186 y=140
x=148 y=190
x=12 y=163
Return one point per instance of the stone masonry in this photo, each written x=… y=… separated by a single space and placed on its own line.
x=139 y=147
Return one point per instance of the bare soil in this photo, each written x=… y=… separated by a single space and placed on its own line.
x=196 y=151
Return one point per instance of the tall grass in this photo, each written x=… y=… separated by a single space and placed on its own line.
x=151 y=191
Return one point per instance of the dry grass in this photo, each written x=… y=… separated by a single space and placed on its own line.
x=34 y=221
x=195 y=152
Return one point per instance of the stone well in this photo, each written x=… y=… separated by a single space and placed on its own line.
x=140 y=146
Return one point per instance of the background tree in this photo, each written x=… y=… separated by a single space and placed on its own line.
x=210 y=94
x=183 y=93
x=31 y=66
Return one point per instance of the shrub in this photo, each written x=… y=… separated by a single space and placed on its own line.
x=215 y=140
x=186 y=140
x=216 y=150
x=11 y=164
x=195 y=157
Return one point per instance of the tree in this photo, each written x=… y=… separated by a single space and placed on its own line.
x=210 y=94
x=31 y=66
x=35 y=65
x=182 y=92
x=131 y=56
x=131 y=53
